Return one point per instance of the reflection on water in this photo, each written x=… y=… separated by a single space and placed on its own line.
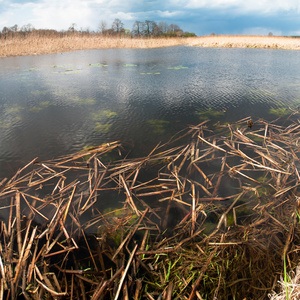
x=55 y=104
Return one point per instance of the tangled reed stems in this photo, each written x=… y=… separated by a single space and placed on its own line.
x=211 y=214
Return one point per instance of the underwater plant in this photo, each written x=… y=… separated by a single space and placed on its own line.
x=209 y=114
x=103 y=114
x=158 y=126
x=280 y=112
x=103 y=128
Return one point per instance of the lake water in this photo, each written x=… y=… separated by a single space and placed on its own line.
x=55 y=104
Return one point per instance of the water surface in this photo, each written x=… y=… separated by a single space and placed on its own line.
x=55 y=104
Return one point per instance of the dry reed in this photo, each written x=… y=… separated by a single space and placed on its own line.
x=213 y=216
x=34 y=45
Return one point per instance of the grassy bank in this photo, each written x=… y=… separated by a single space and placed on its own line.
x=213 y=214
x=34 y=45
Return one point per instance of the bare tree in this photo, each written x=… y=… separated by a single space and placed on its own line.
x=117 y=26
x=173 y=28
x=27 y=28
x=137 y=29
x=163 y=26
x=103 y=27
x=72 y=28
x=149 y=27
x=14 y=28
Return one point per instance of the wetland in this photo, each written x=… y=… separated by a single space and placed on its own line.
x=147 y=173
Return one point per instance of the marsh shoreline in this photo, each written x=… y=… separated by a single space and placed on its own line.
x=36 y=45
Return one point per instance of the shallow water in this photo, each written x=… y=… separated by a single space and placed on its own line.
x=55 y=104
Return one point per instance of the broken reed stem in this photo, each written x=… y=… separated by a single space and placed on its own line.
x=125 y=272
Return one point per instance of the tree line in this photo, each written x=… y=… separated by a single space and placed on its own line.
x=146 y=28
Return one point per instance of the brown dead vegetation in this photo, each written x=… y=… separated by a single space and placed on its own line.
x=35 y=45
x=211 y=214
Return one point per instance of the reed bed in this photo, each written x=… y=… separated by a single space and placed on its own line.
x=240 y=41
x=210 y=215
x=34 y=45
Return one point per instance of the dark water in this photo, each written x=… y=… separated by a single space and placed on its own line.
x=51 y=105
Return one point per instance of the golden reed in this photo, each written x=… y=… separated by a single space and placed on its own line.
x=34 y=45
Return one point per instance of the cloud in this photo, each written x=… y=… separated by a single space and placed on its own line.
x=61 y=13
x=246 y=7
x=199 y=16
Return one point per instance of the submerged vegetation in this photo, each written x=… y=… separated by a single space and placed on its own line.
x=280 y=112
x=209 y=114
x=208 y=215
x=158 y=126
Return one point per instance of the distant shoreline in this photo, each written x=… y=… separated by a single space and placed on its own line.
x=35 y=45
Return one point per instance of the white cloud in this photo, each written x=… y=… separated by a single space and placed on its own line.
x=168 y=14
x=61 y=14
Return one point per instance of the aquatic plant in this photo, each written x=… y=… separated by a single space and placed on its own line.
x=129 y=65
x=84 y=101
x=177 y=68
x=209 y=114
x=158 y=126
x=42 y=105
x=14 y=109
x=32 y=69
x=157 y=73
x=280 y=112
x=39 y=93
x=103 y=128
x=4 y=125
x=103 y=114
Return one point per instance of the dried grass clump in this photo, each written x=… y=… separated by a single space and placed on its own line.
x=289 y=289
x=211 y=214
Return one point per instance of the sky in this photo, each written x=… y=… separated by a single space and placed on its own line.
x=203 y=17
